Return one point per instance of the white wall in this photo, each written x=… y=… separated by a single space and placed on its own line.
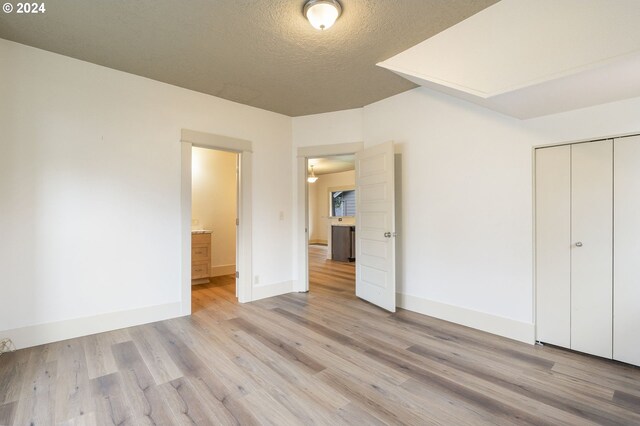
x=467 y=203
x=319 y=220
x=214 y=198
x=90 y=192
x=467 y=209
x=312 y=198
x=328 y=128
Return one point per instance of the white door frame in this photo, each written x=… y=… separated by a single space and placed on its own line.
x=302 y=235
x=188 y=140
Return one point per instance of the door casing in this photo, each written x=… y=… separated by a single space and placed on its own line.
x=189 y=139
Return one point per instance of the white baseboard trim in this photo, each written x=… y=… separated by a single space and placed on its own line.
x=62 y=330
x=217 y=271
x=516 y=330
x=270 y=290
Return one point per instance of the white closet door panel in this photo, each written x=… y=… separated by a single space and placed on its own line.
x=626 y=307
x=592 y=262
x=553 y=245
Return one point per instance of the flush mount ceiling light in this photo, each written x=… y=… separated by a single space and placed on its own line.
x=322 y=13
x=312 y=177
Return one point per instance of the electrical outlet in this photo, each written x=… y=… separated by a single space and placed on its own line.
x=281 y=215
x=256 y=279
x=6 y=345
x=195 y=222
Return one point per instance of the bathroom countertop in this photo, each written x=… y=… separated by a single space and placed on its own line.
x=201 y=231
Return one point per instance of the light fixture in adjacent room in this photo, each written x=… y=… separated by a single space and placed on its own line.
x=312 y=177
x=322 y=13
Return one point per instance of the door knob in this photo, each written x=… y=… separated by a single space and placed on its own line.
x=387 y=234
x=579 y=244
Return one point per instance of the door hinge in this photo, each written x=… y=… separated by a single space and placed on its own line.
x=237 y=274
x=237 y=221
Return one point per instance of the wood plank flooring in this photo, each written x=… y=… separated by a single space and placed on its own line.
x=324 y=357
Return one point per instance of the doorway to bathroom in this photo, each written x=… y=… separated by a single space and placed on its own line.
x=214 y=230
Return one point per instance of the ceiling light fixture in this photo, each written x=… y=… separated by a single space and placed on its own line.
x=312 y=178
x=322 y=13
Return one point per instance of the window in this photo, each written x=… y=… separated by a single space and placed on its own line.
x=343 y=203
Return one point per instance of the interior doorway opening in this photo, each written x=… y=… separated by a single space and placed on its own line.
x=214 y=230
x=377 y=176
x=331 y=202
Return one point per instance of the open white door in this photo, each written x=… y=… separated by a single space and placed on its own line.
x=375 y=226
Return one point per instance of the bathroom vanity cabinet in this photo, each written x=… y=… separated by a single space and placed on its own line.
x=200 y=255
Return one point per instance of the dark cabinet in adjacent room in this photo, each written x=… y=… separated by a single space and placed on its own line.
x=343 y=243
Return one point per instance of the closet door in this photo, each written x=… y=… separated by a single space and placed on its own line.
x=592 y=247
x=626 y=307
x=553 y=242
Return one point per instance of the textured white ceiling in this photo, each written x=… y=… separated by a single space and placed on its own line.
x=257 y=52
x=335 y=164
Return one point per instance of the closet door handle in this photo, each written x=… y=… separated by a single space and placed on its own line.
x=579 y=244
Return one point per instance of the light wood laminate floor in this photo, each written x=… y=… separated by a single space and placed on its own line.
x=324 y=357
